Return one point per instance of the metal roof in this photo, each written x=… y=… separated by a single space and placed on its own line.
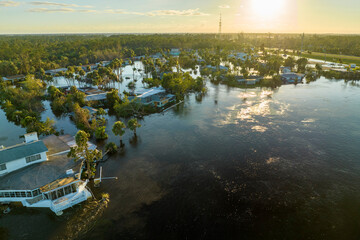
x=151 y=92
x=96 y=97
x=21 y=151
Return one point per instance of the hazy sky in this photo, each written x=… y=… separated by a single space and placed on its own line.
x=147 y=16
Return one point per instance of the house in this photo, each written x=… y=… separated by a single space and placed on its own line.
x=250 y=80
x=53 y=184
x=92 y=111
x=22 y=155
x=175 y=52
x=53 y=72
x=93 y=94
x=14 y=78
x=156 y=56
x=240 y=55
x=89 y=67
x=285 y=69
x=153 y=96
x=292 y=77
x=214 y=68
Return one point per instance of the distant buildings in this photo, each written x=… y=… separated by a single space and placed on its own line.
x=53 y=72
x=14 y=78
x=175 y=52
x=214 y=68
x=250 y=80
x=285 y=69
x=292 y=77
x=153 y=96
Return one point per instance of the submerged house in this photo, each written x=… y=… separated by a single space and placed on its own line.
x=214 y=68
x=52 y=184
x=175 y=52
x=14 y=78
x=22 y=155
x=153 y=96
x=292 y=77
x=250 y=80
x=285 y=69
x=53 y=72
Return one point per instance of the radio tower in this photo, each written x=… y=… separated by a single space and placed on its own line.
x=220 y=27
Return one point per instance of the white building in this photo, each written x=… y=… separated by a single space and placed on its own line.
x=52 y=183
x=22 y=155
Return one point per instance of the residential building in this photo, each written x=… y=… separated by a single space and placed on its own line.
x=153 y=96
x=22 y=155
x=250 y=80
x=292 y=77
x=53 y=184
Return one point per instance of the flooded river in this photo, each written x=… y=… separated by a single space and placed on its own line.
x=233 y=164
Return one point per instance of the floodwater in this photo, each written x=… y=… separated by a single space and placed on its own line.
x=233 y=164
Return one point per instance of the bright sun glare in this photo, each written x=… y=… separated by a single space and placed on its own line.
x=267 y=8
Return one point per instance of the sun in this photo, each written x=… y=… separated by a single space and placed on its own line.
x=267 y=8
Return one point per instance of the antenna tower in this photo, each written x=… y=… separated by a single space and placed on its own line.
x=220 y=27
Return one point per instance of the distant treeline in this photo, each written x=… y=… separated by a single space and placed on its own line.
x=29 y=54
x=32 y=53
x=334 y=44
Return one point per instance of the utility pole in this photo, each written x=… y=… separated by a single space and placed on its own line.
x=220 y=27
x=302 y=43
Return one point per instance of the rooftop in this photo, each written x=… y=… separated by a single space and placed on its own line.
x=40 y=174
x=58 y=183
x=21 y=150
x=96 y=97
x=150 y=92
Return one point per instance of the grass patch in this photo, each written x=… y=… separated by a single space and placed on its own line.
x=333 y=57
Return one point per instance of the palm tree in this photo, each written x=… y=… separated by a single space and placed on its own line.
x=82 y=152
x=118 y=130
x=133 y=124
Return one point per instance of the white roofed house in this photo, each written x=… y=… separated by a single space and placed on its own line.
x=19 y=156
x=50 y=183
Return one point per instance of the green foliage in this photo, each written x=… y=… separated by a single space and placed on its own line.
x=112 y=98
x=181 y=83
x=23 y=106
x=133 y=125
x=301 y=64
x=118 y=128
x=82 y=152
x=289 y=62
x=111 y=147
x=131 y=108
x=100 y=133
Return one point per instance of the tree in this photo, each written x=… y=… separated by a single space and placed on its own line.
x=289 y=62
x=301 y=63
x=133 y=124
x=100 y=133
x=82 y=152
x=118 y=130
x=110 y=148
x=318 y=67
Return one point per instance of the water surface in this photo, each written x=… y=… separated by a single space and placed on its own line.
x=234 y=164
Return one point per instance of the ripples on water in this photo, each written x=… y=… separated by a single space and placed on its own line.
x=238 y=164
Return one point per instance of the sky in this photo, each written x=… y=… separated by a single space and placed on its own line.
x=179 y=16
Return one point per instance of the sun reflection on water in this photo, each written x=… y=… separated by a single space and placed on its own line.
x=260 y=105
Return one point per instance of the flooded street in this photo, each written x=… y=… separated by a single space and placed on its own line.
x=235 y=163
